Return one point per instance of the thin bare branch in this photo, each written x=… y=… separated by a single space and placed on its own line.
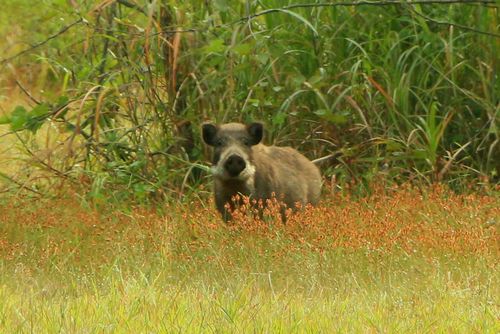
x=452 y=24
x=489 y=3
x=133 y=6
x=25 y=91
x=382 y=3
x=362 y=3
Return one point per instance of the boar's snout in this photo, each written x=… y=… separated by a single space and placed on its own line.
x=234 y=165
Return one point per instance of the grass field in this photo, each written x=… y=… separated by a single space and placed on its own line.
x=106 y=222
x=404 y=260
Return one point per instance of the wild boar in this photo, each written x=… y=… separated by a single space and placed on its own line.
x=243 y=165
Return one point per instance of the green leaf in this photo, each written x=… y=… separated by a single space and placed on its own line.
x=307 y=23
x=34 y=124
x=254 y=102
x=315 y=79
x=141 y=190
x=420 y=154
x=217 y=45
x=62 y=101
x=393 y=146
x=263 y=58
x=243 y=49
x=298 y=80
x=136 y=165
x=32 y=120
x=40 y=110
x=4 y=119
x=279 y=119
x=221 y=5
x=70 y=127
x=331 y=117
x=19 y=117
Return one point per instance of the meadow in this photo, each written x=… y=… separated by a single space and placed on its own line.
x=404 y=260
x=107 y=222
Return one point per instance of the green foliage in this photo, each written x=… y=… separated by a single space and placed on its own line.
x=21 y=119
x=388 y=91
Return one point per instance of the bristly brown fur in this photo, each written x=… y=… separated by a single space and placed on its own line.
x=270 y=171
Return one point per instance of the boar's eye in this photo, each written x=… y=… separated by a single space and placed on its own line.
x=246 y=142
x=218 y=142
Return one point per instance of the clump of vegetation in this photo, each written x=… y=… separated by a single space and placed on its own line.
x=118 y=92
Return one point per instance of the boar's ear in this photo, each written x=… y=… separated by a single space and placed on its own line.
x=209 y=131
x=256 y=132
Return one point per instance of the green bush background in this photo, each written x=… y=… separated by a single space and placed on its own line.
x=392 y=91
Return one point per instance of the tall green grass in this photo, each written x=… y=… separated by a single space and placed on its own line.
x=395 y=304
x=387 y=91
